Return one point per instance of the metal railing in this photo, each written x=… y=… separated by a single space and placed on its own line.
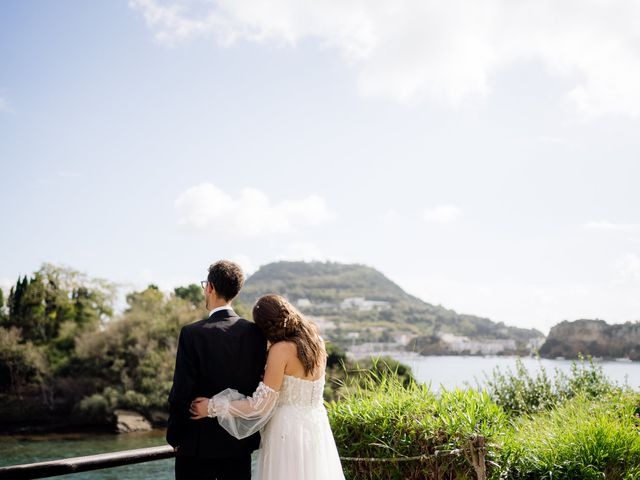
x=84 y=464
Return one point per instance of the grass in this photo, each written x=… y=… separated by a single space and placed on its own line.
x=392 y=420
x=577 y=426
x=584 y=438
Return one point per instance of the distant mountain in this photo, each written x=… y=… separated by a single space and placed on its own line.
x=593 y=337
x=322 y=282
x=358 y=299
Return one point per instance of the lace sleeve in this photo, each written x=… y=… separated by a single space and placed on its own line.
x=243 y=416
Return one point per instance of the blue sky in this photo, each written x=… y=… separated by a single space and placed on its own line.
x=483 y=158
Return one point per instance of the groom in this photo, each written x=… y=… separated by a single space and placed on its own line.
x=223 y=351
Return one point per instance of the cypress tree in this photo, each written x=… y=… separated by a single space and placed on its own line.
x=3 y=315
x=15 y=301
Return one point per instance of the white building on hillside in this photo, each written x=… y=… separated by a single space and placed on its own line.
x=363 y=304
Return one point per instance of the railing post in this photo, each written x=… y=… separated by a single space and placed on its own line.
x=476 y=455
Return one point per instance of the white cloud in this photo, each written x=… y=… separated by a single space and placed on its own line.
x=442 y=214
x=205 y=207
x=612 y=227
x=441 y=50
x=175 y=22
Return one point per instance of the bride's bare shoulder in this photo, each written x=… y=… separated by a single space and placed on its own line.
x=283 y=347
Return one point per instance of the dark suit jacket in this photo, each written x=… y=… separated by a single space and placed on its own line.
x=223 y=351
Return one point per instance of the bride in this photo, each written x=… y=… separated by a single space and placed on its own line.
x=287 y=407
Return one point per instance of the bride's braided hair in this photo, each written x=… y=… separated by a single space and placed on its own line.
x=279 y=320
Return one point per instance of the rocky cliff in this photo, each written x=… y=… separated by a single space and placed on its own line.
x=593 y=337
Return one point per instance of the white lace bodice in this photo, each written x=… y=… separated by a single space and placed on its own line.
x=302 y=393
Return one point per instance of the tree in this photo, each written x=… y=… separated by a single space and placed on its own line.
x=14 y=303
x=20 y=364
x=89 y=307
x=28 y=310
x=192 y=293
x=2 y=309
x=149 y=301
x=132 y=359
x=36 y=308
x=53 y=307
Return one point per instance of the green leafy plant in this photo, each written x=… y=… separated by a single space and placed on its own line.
x=585 y=438
x=520 y=391
x=386 y=419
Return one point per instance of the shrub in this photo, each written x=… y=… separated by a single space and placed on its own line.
x=584 y=438
x=344 y=375
x=95 y=408
x=521 y=392
x=388 y=419
x=21 y=364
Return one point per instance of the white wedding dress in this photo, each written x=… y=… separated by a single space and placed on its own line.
x=297 y=442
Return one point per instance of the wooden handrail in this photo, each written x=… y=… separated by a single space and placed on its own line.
x=83 y=464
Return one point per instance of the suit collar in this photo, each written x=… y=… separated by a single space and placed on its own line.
x=223 y=307
x=224 y=313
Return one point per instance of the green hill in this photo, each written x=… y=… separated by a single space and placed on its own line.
x=322 y=282
x=353 y=298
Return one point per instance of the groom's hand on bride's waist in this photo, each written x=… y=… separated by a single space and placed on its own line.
x=199 y=408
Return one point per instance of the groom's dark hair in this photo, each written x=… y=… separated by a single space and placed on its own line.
x=227 y=279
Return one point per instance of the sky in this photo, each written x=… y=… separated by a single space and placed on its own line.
x=482 y=155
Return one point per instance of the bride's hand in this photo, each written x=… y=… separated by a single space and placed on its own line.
x=198 y=408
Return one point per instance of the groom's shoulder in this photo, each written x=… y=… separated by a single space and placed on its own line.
x=190 y=329
x=248 y=324
x=194 y=325
x=250 y=328
x=235 y=321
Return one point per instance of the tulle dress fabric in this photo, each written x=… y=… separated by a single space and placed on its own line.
x=297 y=442
x=243 y=416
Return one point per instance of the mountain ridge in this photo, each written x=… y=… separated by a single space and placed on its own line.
x=359 y=299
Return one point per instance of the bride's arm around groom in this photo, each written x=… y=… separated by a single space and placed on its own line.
x=243 y=416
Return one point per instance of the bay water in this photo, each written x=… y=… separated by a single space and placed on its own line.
x=18 y=449
x=451 y=371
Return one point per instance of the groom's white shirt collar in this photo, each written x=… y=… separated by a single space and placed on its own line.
x=224 y=307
